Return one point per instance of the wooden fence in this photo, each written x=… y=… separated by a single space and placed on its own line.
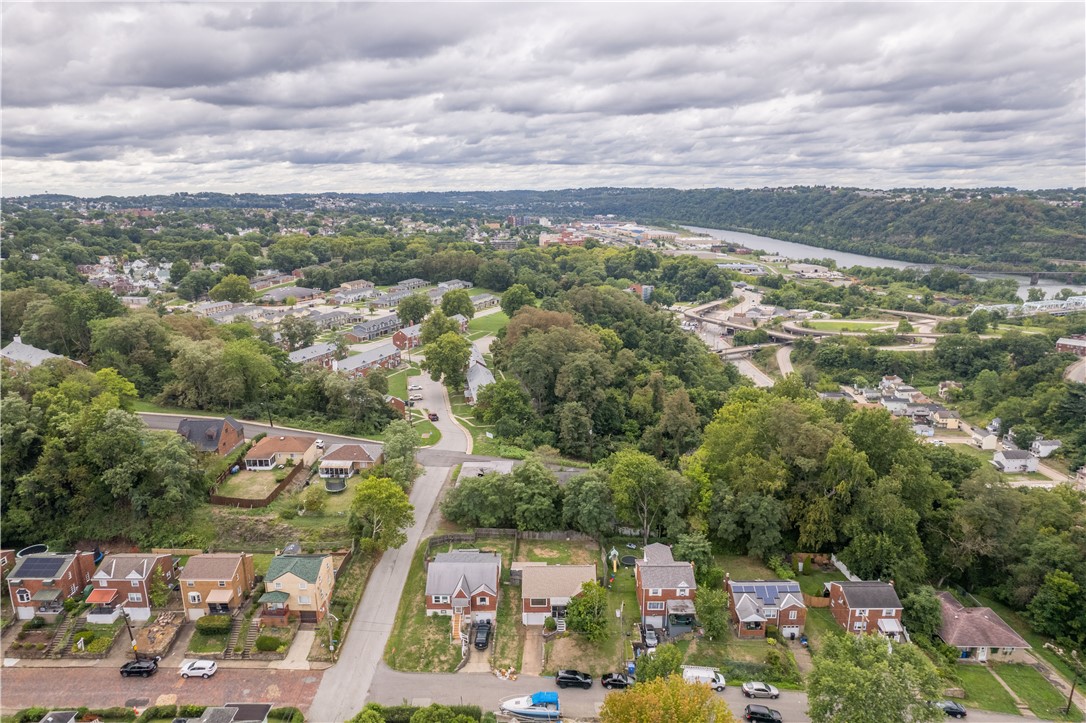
x=815 y=602
x=180 y=551
x=248 y=503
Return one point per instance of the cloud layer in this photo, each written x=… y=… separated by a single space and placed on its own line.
x=115 y=98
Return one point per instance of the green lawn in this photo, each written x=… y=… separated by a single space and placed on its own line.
x=398 y=381
x=983 y=691
x=742 y=567
x=201 y=643
x=251 y=485
x=819 y=627
x=1029 y=685
x=491 y=323
x=814 y=581
x=610 y=654
x=558 y=552
x=509 y=632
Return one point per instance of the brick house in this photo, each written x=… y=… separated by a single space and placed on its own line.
x=463 y=584
x=408 y=337
x=385 y=356
x=866 y=607
x=665 y=587
x=40 y=583
x=216 y=583
x=1072 y=345
x=124 y=581
x=372 y=328
x=546 y=590
x=322 y=355
x=297 y=586
x=979 y=633
x=461 y=322
x=756 y=604
x=220 y=436
x=271 y=452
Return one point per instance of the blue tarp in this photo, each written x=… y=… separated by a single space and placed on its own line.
x=544 y=697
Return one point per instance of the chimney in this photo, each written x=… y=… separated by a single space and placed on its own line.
x=17 y=339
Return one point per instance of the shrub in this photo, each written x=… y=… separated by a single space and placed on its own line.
x=192 y=711
x=16 y=645
x=114 y=713
x=782 y=571
x=86 y=636
x=30 y=715
x=40 y=646
x=34 y=623
x=549 y=624
x=290 y=715
x=213 y=624
x=288 y=513
x=268 y=643
x=153 y=712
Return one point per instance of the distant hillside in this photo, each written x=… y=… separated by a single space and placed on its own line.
x=990 y=228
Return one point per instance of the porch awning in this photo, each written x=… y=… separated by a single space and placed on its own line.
x=275 y=596
x=220 y=596
x=890 y=625
x=102 y=596
x=48 y=595
x=680 y=607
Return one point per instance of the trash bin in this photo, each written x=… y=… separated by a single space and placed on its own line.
x=793 y=636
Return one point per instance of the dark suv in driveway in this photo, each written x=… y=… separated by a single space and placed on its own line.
x=566 y=678
x=761 y=714
x=482 y=636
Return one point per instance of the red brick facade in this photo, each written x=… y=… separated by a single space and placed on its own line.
x=70 y=580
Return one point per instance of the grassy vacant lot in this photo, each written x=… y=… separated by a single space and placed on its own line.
x=558 y=552
x=509 y=634
x=610 y=654
x=819 y=627
x=983 y=691
x=814 y=581
x=201 y=643
x=742 y=567
x=250 y=485
x=1029 y=685
x=491 y=323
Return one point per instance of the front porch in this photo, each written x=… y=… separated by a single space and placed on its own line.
x=48 y=604
x=276 y=610
x=105 y=608
x=680 y=617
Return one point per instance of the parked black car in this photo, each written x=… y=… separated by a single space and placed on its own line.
x=616 y=680
x=761 y=714
x=482 y=636
x=566 y=678
x=143 y=667
x=951 y=708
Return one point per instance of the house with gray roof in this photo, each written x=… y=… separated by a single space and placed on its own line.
x=484 y=301
x=385 y=356
x=464 y=585
x=866 y=607
x=665 y=586
x=1014 y=461
x=372 y=328
x=318 y=355
x=220 y=435
x=478 y=378
x=756 y=604
x=301 y=294
x=20 y=353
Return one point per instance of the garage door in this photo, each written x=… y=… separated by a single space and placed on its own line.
x=789 y=630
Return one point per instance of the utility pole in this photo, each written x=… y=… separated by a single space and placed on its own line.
x=132 y=637
x=1078 y=671
x=267 y=409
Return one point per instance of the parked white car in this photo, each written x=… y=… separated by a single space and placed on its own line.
x=199 y=668
x=414 y=387
x=415 y=398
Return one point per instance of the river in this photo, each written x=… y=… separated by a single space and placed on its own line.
x=845 y=259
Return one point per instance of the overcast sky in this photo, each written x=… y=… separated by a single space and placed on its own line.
x=277 y=97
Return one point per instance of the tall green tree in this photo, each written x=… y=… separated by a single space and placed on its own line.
x=233 y=287
x=666 y=660
x=588 y=612
x=665 y=699
x=515 y=297
x=380 y=514
x=414 y=308
x=457 y=301
x=401 y=445
x=587 y=506
x=638 y=487
x=447 y=359
x=865 y=678
x=298 y=332
x=435 y=325
x=711 y=605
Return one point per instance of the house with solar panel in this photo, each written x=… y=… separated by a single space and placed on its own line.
x=124 y=581
x=665 y=586
x=757 y=604
x=41 y=582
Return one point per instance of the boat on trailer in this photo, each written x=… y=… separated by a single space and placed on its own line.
x=537 y=706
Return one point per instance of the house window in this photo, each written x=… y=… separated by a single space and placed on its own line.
x=441 y=599
x=654 y=591
x=194 y=598
x=538 y=602
x=792 y=614
x=771 y=612
x=135 y=583
x=303 y=585
x=135 y=597
x=304 y=600
x=482 y=601
x=888 y=613
x=278 y=586
x=222 y=583
x=102 y=583
x=752 y=626
x=684 y=592
x=191 y=583
x=656 y=606
x=72 y=588
x=22 y=596
x=862 y=612
x=859 y=626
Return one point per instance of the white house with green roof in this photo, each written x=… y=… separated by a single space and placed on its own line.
x=297 y=586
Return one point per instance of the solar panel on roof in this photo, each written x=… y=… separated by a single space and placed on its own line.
x=41 y=566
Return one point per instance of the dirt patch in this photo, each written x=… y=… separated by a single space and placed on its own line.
x=156 y=638
x=574 y=651
x=544 y=552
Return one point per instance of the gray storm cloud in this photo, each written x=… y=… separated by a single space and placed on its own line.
x=119 y=98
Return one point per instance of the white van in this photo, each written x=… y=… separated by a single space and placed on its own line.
x=709 y=676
